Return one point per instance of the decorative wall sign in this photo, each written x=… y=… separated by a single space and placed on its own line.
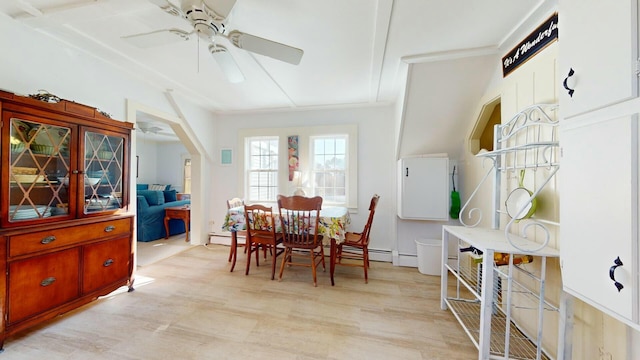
x=226 y=157
x=540 y=38
x=292 y=145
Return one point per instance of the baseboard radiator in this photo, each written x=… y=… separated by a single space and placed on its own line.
x=384 y=255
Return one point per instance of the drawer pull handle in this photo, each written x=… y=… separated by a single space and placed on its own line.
x=107 y=262
x=109 y=228
x=48 y=240
x=612 y=275
x=48 y=281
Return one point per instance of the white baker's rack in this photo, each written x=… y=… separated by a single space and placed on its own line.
x=484 y=302
x=528 y=141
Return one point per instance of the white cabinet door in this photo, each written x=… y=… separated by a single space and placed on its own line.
x=598 y=213
x=598 y=40
x=423 y=185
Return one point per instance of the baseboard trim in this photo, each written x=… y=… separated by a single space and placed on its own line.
x=374 y=254
x=380 y=255
x=408 y=260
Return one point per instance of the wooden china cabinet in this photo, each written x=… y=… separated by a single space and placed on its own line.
x=65 y=234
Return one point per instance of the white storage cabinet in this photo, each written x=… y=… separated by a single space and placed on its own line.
x=423 y=188
x=599 y=41
x=599 y=214
x=599 y=183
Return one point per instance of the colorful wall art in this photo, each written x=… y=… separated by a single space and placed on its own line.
x=293 y=155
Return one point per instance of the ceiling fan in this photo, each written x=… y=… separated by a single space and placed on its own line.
x=146 y=128
x=208 y=22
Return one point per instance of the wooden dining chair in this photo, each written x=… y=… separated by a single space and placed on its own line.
x=233 y=203
x=356 y=244
x=261 y=233
x=299 y=218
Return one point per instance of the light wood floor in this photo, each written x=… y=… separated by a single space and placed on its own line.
x=189 y=306
x=153 y=251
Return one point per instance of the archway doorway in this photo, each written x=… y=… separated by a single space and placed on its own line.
x=136 y=111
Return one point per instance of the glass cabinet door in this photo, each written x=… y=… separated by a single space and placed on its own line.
x=103 y=171
x=39 y=165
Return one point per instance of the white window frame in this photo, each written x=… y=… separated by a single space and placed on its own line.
x=271 y=193
x=304 y=134
x=316 y=189
x=186 y=174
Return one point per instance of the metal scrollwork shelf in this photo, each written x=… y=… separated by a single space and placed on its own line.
x=492 y=285
x=528 y=141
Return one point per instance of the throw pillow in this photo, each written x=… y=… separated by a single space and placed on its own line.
x=142 y=186
x=159 y=187
x=170 y=196
x=153 y=197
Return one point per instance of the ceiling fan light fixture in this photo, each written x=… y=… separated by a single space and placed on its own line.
x=226 y=63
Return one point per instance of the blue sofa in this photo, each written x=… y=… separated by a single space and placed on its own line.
x=150 y=214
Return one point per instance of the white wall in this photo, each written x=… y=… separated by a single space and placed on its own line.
x=376 y=163
x=441 y=98
x=171 y=168
x=33 y=61
x=147 y=161
x=160 y=162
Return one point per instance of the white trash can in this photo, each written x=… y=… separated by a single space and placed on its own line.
x=429 y=256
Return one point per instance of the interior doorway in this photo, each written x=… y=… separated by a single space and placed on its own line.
x=137 y=111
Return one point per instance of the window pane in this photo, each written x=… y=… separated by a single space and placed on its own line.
x=341 y=146
x=187 y=176
x=330 y=168
x=318 y=163
x=263 y=169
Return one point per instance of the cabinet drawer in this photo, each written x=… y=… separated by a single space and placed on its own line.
x=105 y=263
x=41 y=283
x=56 y=238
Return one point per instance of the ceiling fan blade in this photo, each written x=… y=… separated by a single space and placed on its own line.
x=220 y=9
x=167 y=7
x=227 y=64
x=266 y=47
x=157 y=38
x=161 y=3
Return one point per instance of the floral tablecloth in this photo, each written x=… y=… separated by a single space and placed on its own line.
x=333 y=222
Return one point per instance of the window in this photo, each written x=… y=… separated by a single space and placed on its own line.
x=329 y=168
x=187 y=176
x=327 y=158
x=262 y=174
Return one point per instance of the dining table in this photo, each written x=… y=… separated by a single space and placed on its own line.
x=332 y=226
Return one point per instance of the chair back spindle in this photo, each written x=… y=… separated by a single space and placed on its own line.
x=300 y=218
x=261 y=233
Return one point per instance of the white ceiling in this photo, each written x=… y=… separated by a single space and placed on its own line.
x=352 y=48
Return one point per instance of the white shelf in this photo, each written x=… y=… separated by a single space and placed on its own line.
x=516 y=148
x=491 y=239
x=485 y=297
x=483 y=302
x=468 y=314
